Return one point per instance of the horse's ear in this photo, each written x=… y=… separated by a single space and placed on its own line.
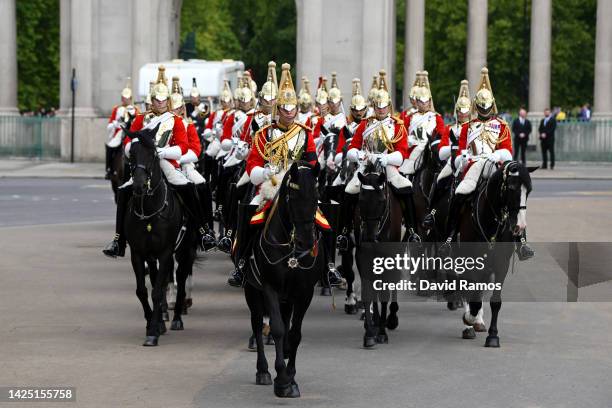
x=316 y=169
x=361 y=177
x=381 y=179
x=293 y=171
x=531 y=169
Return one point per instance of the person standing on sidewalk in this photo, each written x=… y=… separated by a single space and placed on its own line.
x=547 y=138
x=521 y=128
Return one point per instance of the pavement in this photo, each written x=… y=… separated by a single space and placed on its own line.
x=54 y=169
x=70 y=317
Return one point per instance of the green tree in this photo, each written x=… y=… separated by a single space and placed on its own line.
x=38 y=25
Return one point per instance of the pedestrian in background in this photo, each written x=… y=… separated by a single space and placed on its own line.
x=547 y=138
x=521 y=128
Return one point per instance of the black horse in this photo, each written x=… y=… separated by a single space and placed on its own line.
x=152 y=226
x=286 y=263
x=380 y=217
x=495 y=214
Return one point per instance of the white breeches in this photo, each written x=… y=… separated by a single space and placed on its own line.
x=173 y=175
x=393 y=176
x=447 y=170
x=213 y=148
x=469 y=182
x=409 y=166
x=192 y=174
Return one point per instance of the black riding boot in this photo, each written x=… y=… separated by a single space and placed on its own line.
x=408 y=212
x=242 y=243
x=189 y=196
x=117 y=246
x=109 y=159
x=348 y=207
x=430 y=221
x=523 y=250
x=452 y=222
x=225 y=242
x=205 y=200
x=331 y=213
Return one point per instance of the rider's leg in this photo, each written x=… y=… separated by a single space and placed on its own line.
x=331 y=212
x=109 y=157
x=437 y=188
x=523 y=250
x=349 y=204
x=205 y=200
x=242 y=243
x=117 y=246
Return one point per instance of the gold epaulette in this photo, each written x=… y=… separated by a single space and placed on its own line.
x=303 y=126
x=397 y=119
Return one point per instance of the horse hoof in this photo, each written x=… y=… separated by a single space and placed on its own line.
x=469 y=334
x=162 y=327
x=362 y=317
x=151 y=341
x=451 y=306
x=382 y=339
x=188 y=302
x=165 y=316
x=480 y=327
x=177 y=325
x=269 y=341
x=253 y=344
x=369 y=342
x=263 y=378
x=492 y=341
x=392 y=322
x=325 y=291
x=350 y=309
x=290 y=390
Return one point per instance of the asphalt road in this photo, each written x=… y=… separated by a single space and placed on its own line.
x=70 y=317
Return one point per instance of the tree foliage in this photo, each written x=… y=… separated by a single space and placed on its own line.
x=38 y=53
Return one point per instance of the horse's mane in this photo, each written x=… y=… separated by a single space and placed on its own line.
x=513 y=167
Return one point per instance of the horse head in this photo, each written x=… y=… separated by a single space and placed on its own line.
x=513 y=182
x=372 y=201
x=299 y=190
x=143 y=157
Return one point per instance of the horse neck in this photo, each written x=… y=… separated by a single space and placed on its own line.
x=155 y=201
x=280 y=220
x=490 y=206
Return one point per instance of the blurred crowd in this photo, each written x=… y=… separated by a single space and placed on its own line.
x=41 y=112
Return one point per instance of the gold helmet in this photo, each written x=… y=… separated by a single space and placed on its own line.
x=226 y=92
x=269 y=90
x=358 y=102
x=287 y=98
x=148 y=97
x=160 y=89
x=464 y=102
x=238 y=89
x=484 y=102
x=334 y=94
x=127 y=91
x=195 y=93
x=249 y=83
x=373 y=90
x=304 y=97
x=415 y=86
x=322 y=94
x=423 y=93
x=176 y=98
x=382 y=98
x=244 y=91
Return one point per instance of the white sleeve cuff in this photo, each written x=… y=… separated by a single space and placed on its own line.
x=127 y=149
x=226 y=144
x=172 y=153
x=189 y=157
x=257 y=175
x=395 y=159
x=353 y=155
x=458 y=162
x=338 y=159
x=503 y=155
x=444 y=152
x=110 y=126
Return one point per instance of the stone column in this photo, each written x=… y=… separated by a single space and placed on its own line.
x=310 y=32
x=414 y=44
x=8 y=56
x=378 y=42
x=539 y=57
x=476 y=56
x=602 y=106
x=77 y=51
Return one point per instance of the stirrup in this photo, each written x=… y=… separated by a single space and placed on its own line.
x=114 y=248
x=430 y=220
x=524 y=251
x=413 y=236
x=342 y=242
x=236 y=279
x=208 y=240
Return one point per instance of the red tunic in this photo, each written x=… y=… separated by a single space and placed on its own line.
x=193 y=140
x=179 y=134
x=113 y=117
x=316 y=132
x=503 y=142
x=400 y=146
x=261 y=137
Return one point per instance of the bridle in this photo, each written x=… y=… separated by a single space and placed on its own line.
x=149 y=192
x=380 y=217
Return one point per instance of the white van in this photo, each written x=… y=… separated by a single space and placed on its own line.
x=208 y=74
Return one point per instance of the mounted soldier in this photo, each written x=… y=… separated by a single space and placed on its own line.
x=172 y=143
x=196 y=110
x=382 y=139
x=425 y=126
x=412 y=98
x=121 y=115
x=305 y=102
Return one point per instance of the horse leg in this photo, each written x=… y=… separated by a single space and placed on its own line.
x=492 y=339
x=141 y=288
x=282 y=383
x=393 y=320
x=254 y=299
x=286 y=311
x=350 y=303
x=381 y=337
x=369 y=338
x=158 y=280
x=295 y=337
x=181 y=277
x=469 y=318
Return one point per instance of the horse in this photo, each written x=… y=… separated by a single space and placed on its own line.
x=153 y=224
x=286 y=263
x=496 y=214
x=379 y=213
